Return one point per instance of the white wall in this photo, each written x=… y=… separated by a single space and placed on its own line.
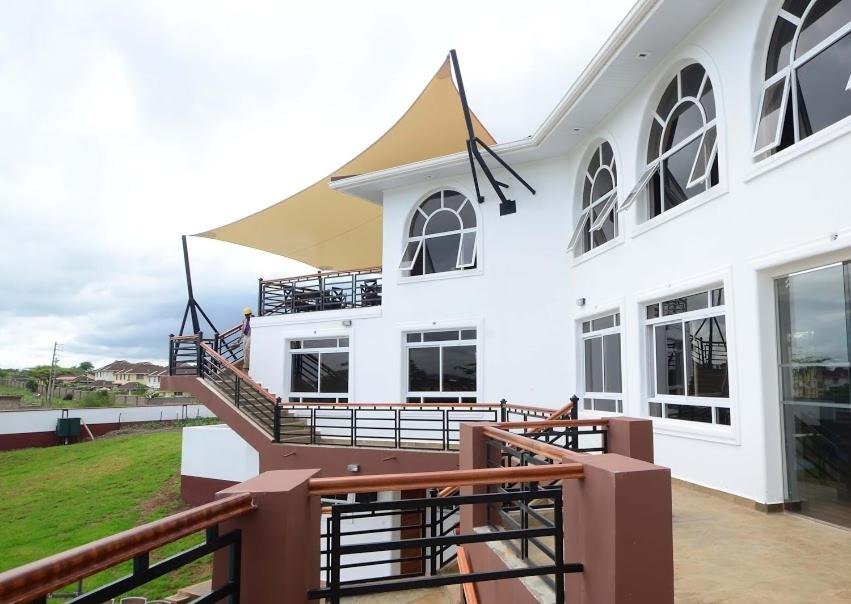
x=765 y=217
x=217 y=452
x=20 y=422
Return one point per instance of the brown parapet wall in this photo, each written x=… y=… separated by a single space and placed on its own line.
x=330 y=460
x=196 y=490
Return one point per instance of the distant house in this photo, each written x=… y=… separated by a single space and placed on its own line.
x=124 y=372
x=107 y=373
x=153 y=381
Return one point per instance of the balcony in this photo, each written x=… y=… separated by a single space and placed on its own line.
x=321 y=291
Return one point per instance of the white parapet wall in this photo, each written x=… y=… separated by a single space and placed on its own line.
x=217 y=452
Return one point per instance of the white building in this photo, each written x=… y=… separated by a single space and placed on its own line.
x=684 y=257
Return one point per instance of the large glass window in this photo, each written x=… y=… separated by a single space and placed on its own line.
x=688 y=349
x=598 y=223
x=807 y=83
x=601 y=357
x=319 y=370
x=441 y=366
x=441 y=236
x=682 y=150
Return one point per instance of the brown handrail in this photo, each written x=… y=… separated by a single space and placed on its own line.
x=554 y=423
x=549 y=451
x=322 y=274
x=465 y=568
x=483 y=406
x=242 y=375
x=39 y=578
x=455 y=478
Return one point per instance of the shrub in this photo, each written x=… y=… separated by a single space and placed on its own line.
x=68 y=397
x=32 y=385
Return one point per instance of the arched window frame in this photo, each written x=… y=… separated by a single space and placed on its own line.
x=417 y=236
x=596 y=212
x=786 y=80
x=707 y=134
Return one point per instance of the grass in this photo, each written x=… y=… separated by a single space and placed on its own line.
x=56 y=498
x=28 y=397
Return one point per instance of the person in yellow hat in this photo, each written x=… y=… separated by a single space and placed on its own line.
x=246 y=337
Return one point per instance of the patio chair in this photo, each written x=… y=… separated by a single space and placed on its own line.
x=370 y=291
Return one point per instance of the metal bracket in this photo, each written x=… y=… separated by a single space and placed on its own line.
x=474 y=147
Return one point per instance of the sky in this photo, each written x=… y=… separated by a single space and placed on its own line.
x=124 y=125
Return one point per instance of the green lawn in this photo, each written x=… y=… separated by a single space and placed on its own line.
x=28 y=397
x=56 y=498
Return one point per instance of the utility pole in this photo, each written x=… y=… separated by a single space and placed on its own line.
x=52 y=377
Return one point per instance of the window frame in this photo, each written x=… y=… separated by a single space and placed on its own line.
x=683 y=318
x=607 y=203
x=473 y=395
x=616 y=329
x=420 y=241
x=790 y=88
x=331 y=397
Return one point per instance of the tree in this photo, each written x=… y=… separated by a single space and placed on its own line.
x=86 y=366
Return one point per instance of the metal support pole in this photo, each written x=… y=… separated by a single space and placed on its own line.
x=196 y=327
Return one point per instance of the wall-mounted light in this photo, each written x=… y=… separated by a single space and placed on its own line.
x=347 y=322
x=580 y=302
x=353 y=467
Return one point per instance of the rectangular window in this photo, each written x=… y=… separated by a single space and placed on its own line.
x=319 y=370
x=441 y=366
x=601 y=347
x=688 y=348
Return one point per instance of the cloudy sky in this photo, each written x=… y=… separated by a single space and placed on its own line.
x=126 y=124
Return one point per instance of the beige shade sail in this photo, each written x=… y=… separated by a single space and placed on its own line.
x=332 y=230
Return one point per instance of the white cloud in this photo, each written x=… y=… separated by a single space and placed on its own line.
x=125 y=125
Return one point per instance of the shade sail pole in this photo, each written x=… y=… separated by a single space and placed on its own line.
x=506 y=206
x=192 y=306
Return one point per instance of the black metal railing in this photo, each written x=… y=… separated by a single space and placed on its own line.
x=413 y=560
x=321 y=291
x=589 y=438
x=184 y=354
x=229 y=344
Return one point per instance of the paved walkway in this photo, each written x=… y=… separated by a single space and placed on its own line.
x=727 y=553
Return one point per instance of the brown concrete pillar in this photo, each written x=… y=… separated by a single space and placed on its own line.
x=617 y=522
x=280 y=539
x=473 y=455
x=631 y=437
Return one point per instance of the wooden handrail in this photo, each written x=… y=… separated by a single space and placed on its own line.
x=447 y=492
x=455 y=478
x=242 y=375
x=483 y=406
x=189 y=337
x=36 y=579
x=521 y=442
x=465 y=568
x=374 y=269
x=555 y=423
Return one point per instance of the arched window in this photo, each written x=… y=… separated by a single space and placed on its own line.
x=598 y=223
x=682 y=151
x=442 y=235
x=807 y=73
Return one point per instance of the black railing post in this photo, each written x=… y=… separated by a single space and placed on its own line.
x=171 y=361
x=236 y=385
x=334 y=556
x=503 y=411
x=260 y=296
x=276 y=427
x=559 y=546
x=199 y=354
x=574 y=432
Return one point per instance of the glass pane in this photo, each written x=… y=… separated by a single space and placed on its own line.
x=414 y=337
x=676 y=171
x=586 y=326
x=423 y=369
x=796 y=7
x=718 y=297
x=320 y=343
x=707 y=100
x=603 y=322
x=467 y=254
x=295 y=344
x=586 y=192
x=669 y=359
x=824 y=19
x=655 y=141
x=780 y=47
x=685 y=304
x=811 y=309
x=706 y=367
x=604 y=404
x=691 y=413
x=816 y=384
x=607 y=153
x=468 y=215
x=587 y=403
x=656 y=194
x=770 y=120
x=335 y=372
x=606 y=232
x=655 y=409
x=685 y=121
x=653 y=311
x=602 y=184
x=668 y=100
x=612 y=356
x=453 y=200
x=692 y=78
x=594 y=365
x=431 y=204
x=823 y=85
x=409 y=255
x=459 y=369
x=417 y=223
x=443 y=221
x=722 y=416
x=468 y=334
x=705 y=157
x=305 y=373
x=441 y=253
x=440 y=336
x=620 y=406
x=594 y=163
x=344 y=342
